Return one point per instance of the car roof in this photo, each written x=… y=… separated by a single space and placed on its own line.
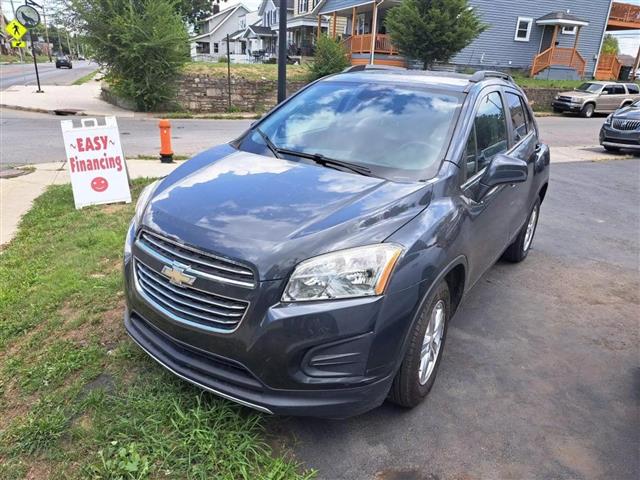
x=445 y=80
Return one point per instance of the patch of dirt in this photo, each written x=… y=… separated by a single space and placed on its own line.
x=39 y=470
x=404 y=474
x=113 y=208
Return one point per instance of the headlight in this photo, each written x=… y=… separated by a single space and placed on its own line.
x=143 y=199
x=557 y=97
x=356 y=272
x=608 y=119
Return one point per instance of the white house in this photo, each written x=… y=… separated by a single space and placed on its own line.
x=211 y=42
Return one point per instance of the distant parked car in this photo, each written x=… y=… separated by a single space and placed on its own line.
x=621 y=129
x=63 y=61
x=596 y=97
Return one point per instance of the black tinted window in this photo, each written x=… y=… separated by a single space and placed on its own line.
x=609 y=89
x=619 y=90
x=518 y=119
x=489 y=134
x=633 y=88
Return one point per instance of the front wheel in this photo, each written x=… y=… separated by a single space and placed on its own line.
x=587 y=110
x=426 y=343
x=611 y=149
x=519 y=249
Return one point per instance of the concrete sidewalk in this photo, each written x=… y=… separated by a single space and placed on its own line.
x=17 y=194
x=85 y=99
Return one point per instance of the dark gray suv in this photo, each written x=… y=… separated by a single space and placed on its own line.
x=313 y=265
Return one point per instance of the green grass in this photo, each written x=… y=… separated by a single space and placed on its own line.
x=251 y=71
x=85 y=78
x=77 y=398
x=27 y=58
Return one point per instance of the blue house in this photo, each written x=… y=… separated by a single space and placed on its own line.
x=548 y=38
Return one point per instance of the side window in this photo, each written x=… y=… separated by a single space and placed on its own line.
x=619 y=90
x=488 y=136
x=609 y=89
x=633 y=88
x=518 y=119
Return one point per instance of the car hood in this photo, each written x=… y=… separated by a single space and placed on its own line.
x=628 y=113
x=275 y=213
x=577 y=94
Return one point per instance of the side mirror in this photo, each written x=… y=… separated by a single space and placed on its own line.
x=503 y=169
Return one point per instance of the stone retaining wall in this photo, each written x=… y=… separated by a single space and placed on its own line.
x=201 y=93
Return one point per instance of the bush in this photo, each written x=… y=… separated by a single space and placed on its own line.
x=223 y=59
x=330 y=57
x=142 y=44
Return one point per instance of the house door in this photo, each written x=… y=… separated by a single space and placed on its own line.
x=547 y=37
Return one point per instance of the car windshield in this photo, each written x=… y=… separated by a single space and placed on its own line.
x=589 y=87
x=394 y=130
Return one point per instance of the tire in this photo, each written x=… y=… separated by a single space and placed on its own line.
x=408 y=389
x=611 y=149
x=519 y=249
x=587 y=110
x=557 y=110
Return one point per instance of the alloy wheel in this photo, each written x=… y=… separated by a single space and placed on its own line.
x=432 y=342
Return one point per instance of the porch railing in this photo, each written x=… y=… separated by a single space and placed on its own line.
x=362 y=44
x=625 y=13
x=608 y=67
x=567 y=57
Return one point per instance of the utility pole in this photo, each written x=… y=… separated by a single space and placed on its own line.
x=59 y=41
x=68 y=42
x=13 y=9
x=46 y=32
x=282 y=52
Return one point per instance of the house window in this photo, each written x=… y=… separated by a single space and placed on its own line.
x=215 y=48
x=303 y=6
x=203 y=48
x=569 y=30
x=523 y=29
x=360 y=26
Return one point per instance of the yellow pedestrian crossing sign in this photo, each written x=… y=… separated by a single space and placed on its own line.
x=16 y=29
x=18 y=44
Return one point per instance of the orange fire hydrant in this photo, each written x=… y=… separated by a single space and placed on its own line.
x=166 y=152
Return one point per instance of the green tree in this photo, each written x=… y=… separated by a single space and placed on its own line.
x=330 y=57
x=142 y=45
x=610 y=45
x=432 y=30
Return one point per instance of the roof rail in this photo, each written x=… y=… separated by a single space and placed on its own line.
x=483 y=74
x=360 y=68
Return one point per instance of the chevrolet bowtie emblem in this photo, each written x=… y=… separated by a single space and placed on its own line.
x=176 y=275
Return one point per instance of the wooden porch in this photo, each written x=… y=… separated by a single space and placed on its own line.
x=624 y=16
x=560 y=56
x=608 y=67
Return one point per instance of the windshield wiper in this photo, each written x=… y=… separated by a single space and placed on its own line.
x=328 y=162
x=269 y=143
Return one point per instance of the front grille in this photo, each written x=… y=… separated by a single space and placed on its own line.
x=185 y=303
x=202 y=263
x=620 y=124
x=564 y=99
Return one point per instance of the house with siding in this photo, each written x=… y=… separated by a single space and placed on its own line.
x=548 y=38
x=210 y=43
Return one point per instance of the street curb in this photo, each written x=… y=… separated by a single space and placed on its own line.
x=27 y=109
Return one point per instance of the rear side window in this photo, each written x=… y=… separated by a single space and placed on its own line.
x=619 y=90
x=489 y=134
x=633 y=88
x=517 y=115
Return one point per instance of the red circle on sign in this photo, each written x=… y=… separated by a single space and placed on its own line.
x=99 y=184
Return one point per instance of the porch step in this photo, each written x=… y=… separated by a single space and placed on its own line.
x=557 y=72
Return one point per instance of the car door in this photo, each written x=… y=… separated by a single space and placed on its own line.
x=619 y=95
x=524 y=145
x=488 y=229
x=607 y=100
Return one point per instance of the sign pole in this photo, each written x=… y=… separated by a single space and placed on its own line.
x=35 y=62
x=282 y=51
x=228 y=73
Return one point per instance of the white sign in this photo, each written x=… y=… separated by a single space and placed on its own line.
x=96 y=162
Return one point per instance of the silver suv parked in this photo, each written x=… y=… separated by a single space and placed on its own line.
x=596 y=97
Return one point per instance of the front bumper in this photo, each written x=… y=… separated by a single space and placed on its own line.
x=566 y=107
x=629 y=139
x=325 y=359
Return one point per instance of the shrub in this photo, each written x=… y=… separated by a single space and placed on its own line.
x=141 y=43
x=223 y=59
x=330 y=57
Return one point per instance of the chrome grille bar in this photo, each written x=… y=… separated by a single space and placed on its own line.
x=627 y=125
x=199 y=262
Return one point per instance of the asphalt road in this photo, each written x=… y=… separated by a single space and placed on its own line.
x=540 y=377
x=140 y=135
x=24 y=73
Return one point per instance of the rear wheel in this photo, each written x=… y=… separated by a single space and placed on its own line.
x=519 y=249
x=426 y=344
x=587 y=110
